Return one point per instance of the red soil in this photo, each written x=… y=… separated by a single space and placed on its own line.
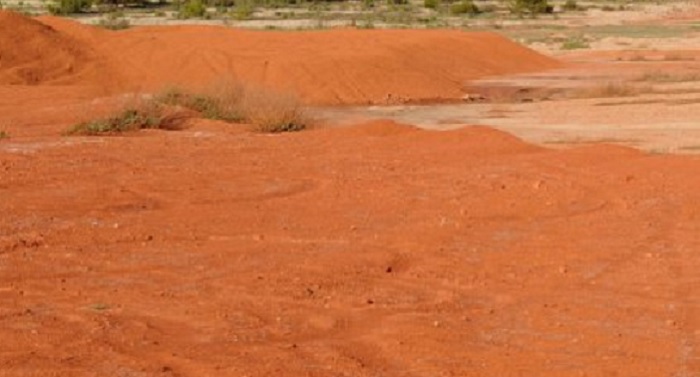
x=378 y=250
x=375 y=250
x=333 y=67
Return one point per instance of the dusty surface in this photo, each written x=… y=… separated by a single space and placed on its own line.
x=378 y=249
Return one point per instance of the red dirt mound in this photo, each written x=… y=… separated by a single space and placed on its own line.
x=81 y=32
x=329 y=67
x=474 y=140
x=470 y=140
x=34 y=53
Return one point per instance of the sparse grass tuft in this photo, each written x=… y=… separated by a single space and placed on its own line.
x=575 y=43
x=127 y=120
x=114 y=21
x=611 y=8
x=4 y=135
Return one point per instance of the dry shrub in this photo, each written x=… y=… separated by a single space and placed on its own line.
x=266 y=109
x=220 y=101
x=270 y=111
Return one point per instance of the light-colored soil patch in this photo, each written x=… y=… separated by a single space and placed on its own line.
x=649 y=105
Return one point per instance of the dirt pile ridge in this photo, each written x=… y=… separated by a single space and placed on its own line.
x=473 y=141
x=34 y=53
x=330 y=67
x=84 y=33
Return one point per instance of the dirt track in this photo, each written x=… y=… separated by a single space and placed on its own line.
x=373 y=250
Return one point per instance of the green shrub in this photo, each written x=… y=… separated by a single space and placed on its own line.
x=530 y=6
x=431 y=4
x=243 y=10
x=193 y=9
x=570 y=5
x=131 y=117
x=64 y=7
x=464 y=7
x=4 y=135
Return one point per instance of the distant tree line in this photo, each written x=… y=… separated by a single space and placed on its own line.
x=198 y=7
